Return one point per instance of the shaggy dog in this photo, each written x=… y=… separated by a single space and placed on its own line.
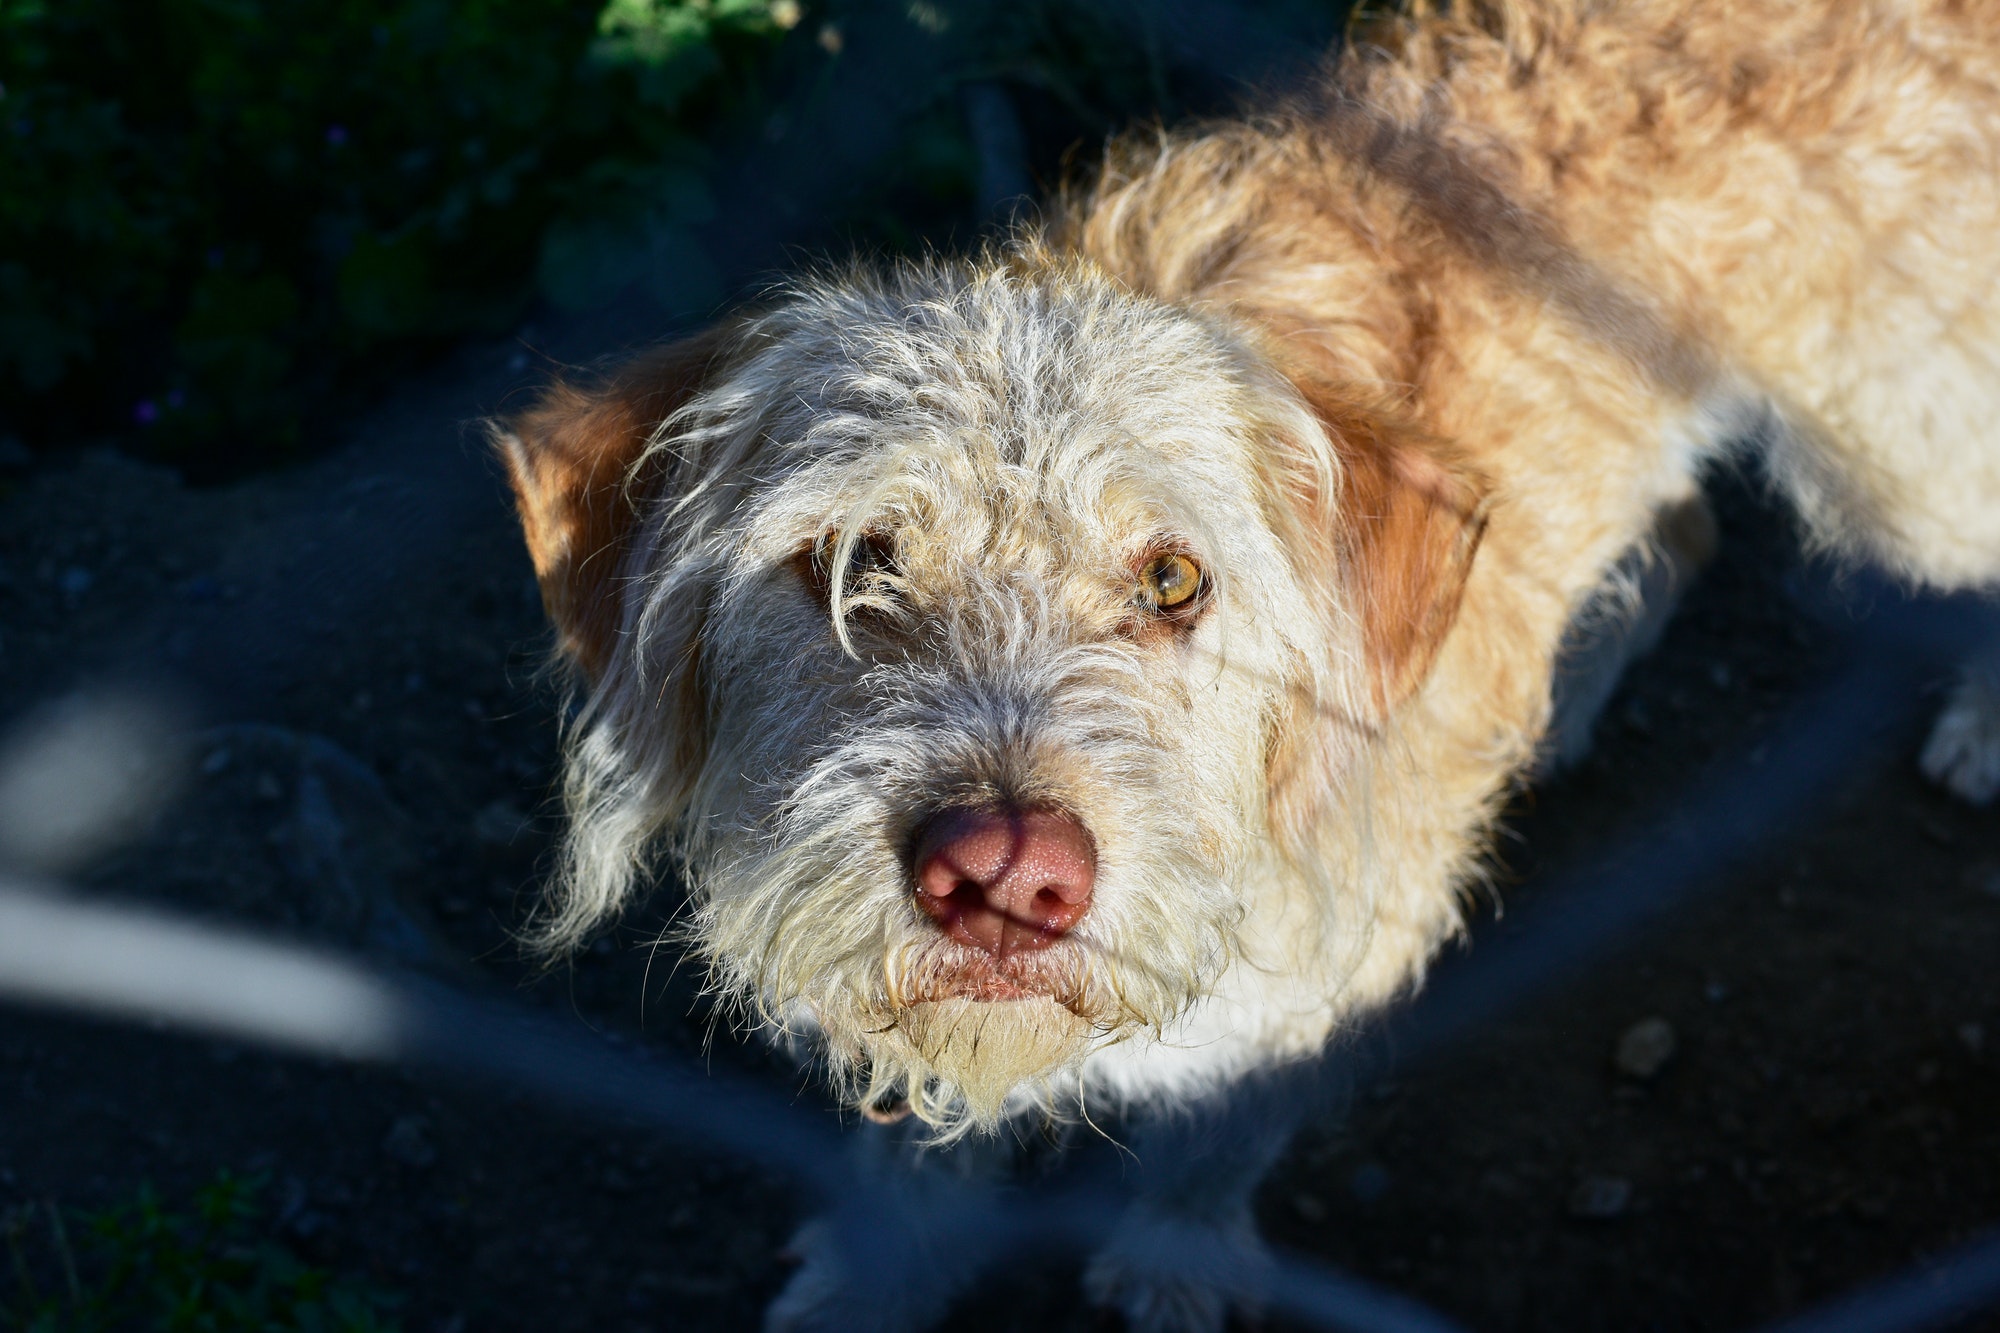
x=1081 y=676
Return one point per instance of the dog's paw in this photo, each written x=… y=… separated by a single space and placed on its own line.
x=1172 y=1276
x=1963 y=753
x=835 y=1290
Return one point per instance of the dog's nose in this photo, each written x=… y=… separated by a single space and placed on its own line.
x=1005 y=881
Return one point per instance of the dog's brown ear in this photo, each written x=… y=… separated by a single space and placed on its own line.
x=1401 y=533
x=571 y=459
x=1414 y=513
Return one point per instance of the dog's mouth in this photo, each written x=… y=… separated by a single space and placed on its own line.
x=952 y=971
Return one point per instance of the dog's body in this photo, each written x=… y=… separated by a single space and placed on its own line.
x=1212 y=546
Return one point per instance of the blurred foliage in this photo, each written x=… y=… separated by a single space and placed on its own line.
x=213 y=210
x=140 y=1266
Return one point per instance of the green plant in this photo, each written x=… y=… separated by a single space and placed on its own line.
x=140 y=1265
x=215 y=210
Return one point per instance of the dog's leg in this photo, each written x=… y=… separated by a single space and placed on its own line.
x=1622 y=623
x=1187 y=1249
x=1963 y=753
x=880 y=1263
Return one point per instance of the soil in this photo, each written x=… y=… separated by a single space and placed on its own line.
x=354 y=647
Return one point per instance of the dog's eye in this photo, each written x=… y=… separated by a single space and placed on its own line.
x=1169 y=581
x=871 y=554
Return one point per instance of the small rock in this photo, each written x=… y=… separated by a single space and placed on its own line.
x=76 y=581
x=1600 y=1198
x=409 y=1142
x=1309 y=1208
x=1972 y=1036
x=1644 y=1048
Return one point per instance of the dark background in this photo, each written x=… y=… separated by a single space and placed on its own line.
x=255 y=293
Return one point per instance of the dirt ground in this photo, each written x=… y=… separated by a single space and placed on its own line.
x=1827 y=1113
x=1786 y=1087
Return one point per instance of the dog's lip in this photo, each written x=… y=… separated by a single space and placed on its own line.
x=984 y=979
x=991 y=990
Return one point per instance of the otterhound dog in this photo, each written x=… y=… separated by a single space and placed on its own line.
x=1081 y=677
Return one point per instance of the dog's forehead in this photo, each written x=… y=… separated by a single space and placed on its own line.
x=1052 y=398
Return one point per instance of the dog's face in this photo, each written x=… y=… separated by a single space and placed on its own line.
x=984 y=638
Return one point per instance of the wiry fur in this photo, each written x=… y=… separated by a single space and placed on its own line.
x=1409 y=366
x=975 y=412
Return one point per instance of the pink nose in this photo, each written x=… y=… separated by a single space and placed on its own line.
x=1005 y=881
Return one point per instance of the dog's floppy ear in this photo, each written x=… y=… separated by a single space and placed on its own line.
x=571 y=459
x=1399 y=534
x=1412 y=514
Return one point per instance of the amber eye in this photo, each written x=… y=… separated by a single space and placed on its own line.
x=1169 y=581
x=872 y=554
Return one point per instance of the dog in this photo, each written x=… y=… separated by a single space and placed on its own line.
x=1081 y=678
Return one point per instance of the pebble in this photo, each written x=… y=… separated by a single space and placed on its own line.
x=1644 y=1049
x=409 y=1142
x=1600 y=1198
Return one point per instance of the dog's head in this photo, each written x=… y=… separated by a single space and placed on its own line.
x=984 y=638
